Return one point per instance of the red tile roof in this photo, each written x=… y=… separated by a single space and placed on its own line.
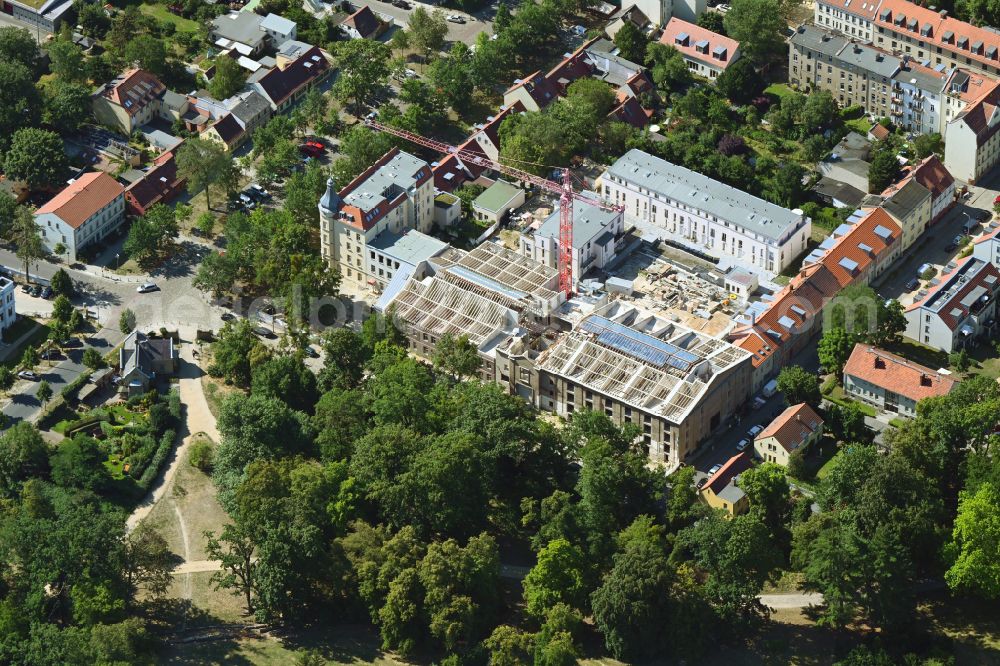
x=851 y=247
x=572 y=67
x=733 y=467
x=82 y=198
x=684 y=36
x=879 y=131
x=932 y=174
x=979 y=114
x=539 y=88
x=364 y=21
x=792 y=427
x=359 y=218
x=160 y=185
x=630 y=111
x=916 y=19
x=280 y=84
x=896 y=374
x=133 y=90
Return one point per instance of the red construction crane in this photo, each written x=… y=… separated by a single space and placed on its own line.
x=565 y=191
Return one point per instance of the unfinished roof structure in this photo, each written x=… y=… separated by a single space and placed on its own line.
x=642 y=360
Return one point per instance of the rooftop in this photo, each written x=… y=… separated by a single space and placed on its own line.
x=82 y=198
x=730 y=470
x=376 y=191
x=699 y=43
x=411 y=247
x=497 y=196
x=818 y=40
x=792 y=427
x=693 y=189
x=505 y=275
x=896 y=374
x=957 y=292
x=589 y=222
x=133 y=90
x=242 y=27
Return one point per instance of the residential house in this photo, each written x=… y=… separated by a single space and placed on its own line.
x=630 y=14
x=795 y=429
x=363 y=24
x=251 y=110
x=706 y=53
x=394 y=194
x=722 y=490
x=660 y=11
x=226 y=131
x=488 y=135
x=986 y=247
x=533 y=93
x=596 y=232
x=141 y=359
x=250 y=34
x=83 y=214
x=706 y=215
x=845 y=171
x=890 y=383
x=957 y=308
x=447 y=209
x=160 y=184
x=291 y=79
x=908 y=203
x=129 y=101
x=972 y=139
x=493 y=204
x=932 y=174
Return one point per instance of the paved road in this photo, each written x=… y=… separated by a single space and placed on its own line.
x=457 y=32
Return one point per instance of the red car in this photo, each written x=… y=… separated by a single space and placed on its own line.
x=312 y=148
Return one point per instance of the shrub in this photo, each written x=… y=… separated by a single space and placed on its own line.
x=174 y=403
x=162 y=451
x=202 y=455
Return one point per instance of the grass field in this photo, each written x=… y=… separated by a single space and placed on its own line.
x=160 y=13
x=779 y=89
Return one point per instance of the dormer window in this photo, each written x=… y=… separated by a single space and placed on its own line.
x=926 y=30
x=962 y=43
x=948 y=37
x=681 y=39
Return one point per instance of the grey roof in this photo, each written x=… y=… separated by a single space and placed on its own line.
x=703 y=193
x=496 y=197
x=818 y=40
x=844 y=192
x=731 y=494
x=293 y=48
x=870 y=60
x=411 y=247
x=139 y=352
x=588 y=223
x=922 y=80
x=242 y=27
x=330 y=201
x=173 y=100
x=276 y=23
x=903 y=201
x=250 y=106
x=387 y=182
x=853 y=146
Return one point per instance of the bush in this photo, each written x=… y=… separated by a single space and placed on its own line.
x=202 y=455
x=162 y=451
x=174 y=403
x=797 y=467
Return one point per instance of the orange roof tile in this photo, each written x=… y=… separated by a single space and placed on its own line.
x=82 y=198
x=684 y=36
x=792 y=427
x=932 y=174
x=733 y=467
x=896 y=374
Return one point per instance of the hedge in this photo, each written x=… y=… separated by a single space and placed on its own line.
x=156 y=462
x=70 y=390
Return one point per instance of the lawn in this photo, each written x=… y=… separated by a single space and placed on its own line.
x=779 y=89
x=160 y=13
x=12 y=355
x=859 y=125
x=827 y=466
x=837 y=395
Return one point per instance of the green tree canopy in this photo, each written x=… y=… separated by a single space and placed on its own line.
x=36 y=157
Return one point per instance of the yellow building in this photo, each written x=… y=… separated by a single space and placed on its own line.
x=722 y=490
x=795 y=428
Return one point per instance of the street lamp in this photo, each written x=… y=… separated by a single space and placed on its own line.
x=118 y=263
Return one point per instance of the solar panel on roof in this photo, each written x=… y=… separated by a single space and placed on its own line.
x=640 y=345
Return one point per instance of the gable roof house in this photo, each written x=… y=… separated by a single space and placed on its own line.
x=707 y=54
x=633 y=15
x=909 y=204
x=249 y=34
x=972 y=139
x=363 y=24
x=227 y=131
x=283 y=85
x=129 y=101
x=160 y=184
x=141 y=359
x=86 y=211
x=794 y=429
x=722 y=491
x=890 y=382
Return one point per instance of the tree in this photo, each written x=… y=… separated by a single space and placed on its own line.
x=66 y=61
x=18 y=98
x=62 y=309
x=758 y=26
x=29 y=358
x=232 y=350
x=457 y=356
x=24 y=233
x=62 y=284
x=714 y=21
x=427 y=30
x=883 y=169
x=151 y=234
x=234 y=550
x=668 y=69
x=558 y=577
x=36 y=157
x=228 y=79
x=974 y=567
x=400 y=41
x=206 y=164
x=364 y=69
x=740 y=82
x=799 y=386
x=834 y=348
x=126 y=322
x=453 y=77
x=206 y=224
x=23 y=456
x=683 y=506
x=93 y=19
x=847 y=423
x=7 y=378
x=630 y=42
x=960 y=360
x=502 y=19
x=926 y=145
x=769 y=495
x=286 y=378
x=509 y=646
x=17 y=45
x=79 y=463
x=92 y=358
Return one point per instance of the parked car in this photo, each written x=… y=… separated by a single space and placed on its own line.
x=401 y=4
x=71 y=343
x=264 y=332
x=50 y=354
x=310 y=352
x=147 y=287
x=456 y=18
x=46 y=292
x=28 y=375
x=715 y=468
x=955 y=242
x=759 y=402
x=312 y=148
x=26 y=288
x=259 y=190
x=701 y=482
x=754 y=431
x=36 y=290
x=912 y=284
x=742 y=445
x=228 y=316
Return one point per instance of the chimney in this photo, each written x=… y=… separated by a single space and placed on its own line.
x=798 y=417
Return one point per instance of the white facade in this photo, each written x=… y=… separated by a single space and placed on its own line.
x=920 y=105
x=960 y=309
x=845 y=22
x=969 y=152
x=660 y=11
x=595 y=235
x=704 y=214
x=8 y=310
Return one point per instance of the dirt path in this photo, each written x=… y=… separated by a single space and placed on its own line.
x=198 y=418
x=197 y=566
x=791 y=600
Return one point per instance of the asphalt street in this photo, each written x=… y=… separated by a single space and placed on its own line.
x=466 y=32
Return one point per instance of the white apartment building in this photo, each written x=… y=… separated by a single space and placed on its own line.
x=660 y=11
x=394 y=194
x=595 y=237
x=958 y=309
x=8 y=311
x=84 y=213
x=705 y=215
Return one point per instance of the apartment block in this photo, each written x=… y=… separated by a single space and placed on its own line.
x=83 y=214
x=958 y=309
x=890 y=383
